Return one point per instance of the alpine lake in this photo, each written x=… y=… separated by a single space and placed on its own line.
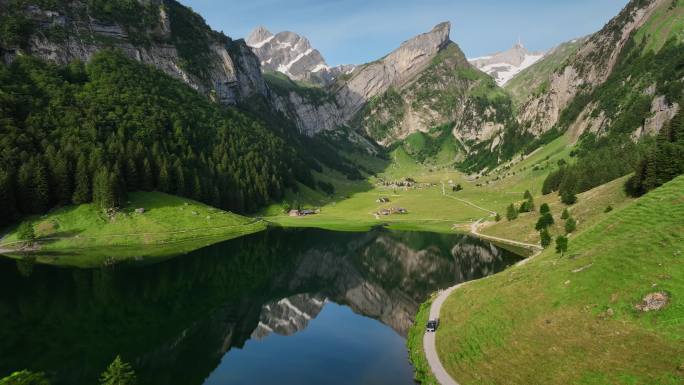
x=283 y=306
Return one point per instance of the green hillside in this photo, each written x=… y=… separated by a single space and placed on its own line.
x=86 y=236
x=573 y=319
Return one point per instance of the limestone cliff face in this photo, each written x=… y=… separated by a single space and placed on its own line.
x=449 y=91
x=427 y=82
x=223 y=68
x=353 y=91
x=586 y=69
x=394 y=70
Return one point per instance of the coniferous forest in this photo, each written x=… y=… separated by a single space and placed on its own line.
x=91 y=132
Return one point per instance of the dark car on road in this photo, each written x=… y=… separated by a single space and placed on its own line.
x=432 y=325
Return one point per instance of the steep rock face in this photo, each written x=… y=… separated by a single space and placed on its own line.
x=503 y=66
x=448 y=92
x=168 y=36
x=394 y=70
x=309 y=116
x=661 y=113
x=587 y=68
x=291 y=54
x=343 y=100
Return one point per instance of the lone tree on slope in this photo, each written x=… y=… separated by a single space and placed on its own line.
x=545 y=238
x=561 y=245
x=570 y=225
x=544 y=208
x=511 y=212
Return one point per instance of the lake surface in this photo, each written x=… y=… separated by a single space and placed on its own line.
x=285 y=306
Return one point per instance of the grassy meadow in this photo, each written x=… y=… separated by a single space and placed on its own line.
x=572 y=319
x=86 y=236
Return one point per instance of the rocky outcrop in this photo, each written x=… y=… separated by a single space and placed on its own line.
x=589 y=67
x=394 y=70
x=661 y=113
x=291 y=54
x=310 y=117
x=230 y=73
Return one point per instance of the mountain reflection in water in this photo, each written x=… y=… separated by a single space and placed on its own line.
x=176 y=320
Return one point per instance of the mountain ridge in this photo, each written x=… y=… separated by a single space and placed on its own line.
x=292 y=54
x=505 y=65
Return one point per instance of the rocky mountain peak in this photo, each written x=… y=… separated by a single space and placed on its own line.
x=503 y=66
x=292 y=54
x=394 y=70
x=259 y=37
x=431 y=41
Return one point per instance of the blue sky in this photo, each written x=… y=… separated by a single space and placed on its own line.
x=359 y=31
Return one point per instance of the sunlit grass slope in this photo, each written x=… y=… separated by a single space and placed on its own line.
x=85 y=235
x=572 y=319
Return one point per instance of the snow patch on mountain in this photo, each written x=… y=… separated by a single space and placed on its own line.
x=292 y=55
x=504 y=66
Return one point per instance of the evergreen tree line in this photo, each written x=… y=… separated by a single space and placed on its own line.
x=663 y=161
x=90 y=133
x=653 y=162
x=599 y=161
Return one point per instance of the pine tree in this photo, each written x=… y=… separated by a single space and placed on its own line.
x=146 y=178
x=63 y=181
x=561 y=245
x=118 y=373
x=104 y=194
x=570 y=225
x=511 y=212
x=497 y=217
x=8 y=203
x=41 y=190
x=544 y=208
x=197 y=188
x=544 y=222
x=545 y=238
x=180 y=180
x=25 y=231
x=527 y=195
x=82 y=189
x=25 y=188
x=565 y=214
x=568 y=196
x=132 y=180
x=164 y=183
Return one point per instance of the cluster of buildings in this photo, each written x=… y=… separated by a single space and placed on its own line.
x=303 y=213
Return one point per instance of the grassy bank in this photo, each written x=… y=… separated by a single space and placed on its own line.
x=85 y=236
x=414 y=342
x=572 y=319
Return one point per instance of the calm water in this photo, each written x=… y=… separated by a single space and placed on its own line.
x=278 y=307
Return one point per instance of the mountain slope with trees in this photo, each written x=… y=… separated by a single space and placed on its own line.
x=82 y=133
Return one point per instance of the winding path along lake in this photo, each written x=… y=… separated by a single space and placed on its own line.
x=285 y=306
